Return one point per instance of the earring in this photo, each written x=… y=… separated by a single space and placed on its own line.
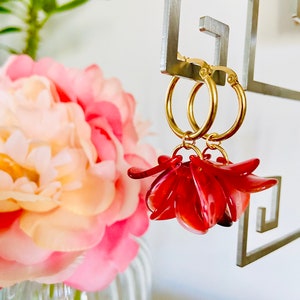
x=202 y=192
x=213 y=97
x=232 y=79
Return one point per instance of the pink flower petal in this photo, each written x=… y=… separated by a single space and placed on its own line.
x=109 y=112
x=138 y=223
x=58 y=267
x=19 y=66
x=103 y=262
x=14 y=239
x=61 y=230
x=98 y=194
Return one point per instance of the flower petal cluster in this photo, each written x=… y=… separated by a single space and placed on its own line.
x=68 y=211
x=201 y=193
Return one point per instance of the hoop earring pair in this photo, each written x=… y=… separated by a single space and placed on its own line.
x=206 y=74
x=202 y=192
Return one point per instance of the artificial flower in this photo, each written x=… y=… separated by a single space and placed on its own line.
x=69 y=213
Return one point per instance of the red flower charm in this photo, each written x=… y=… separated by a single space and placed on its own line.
x=201 y=193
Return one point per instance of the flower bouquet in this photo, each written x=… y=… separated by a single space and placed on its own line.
x=68 y=211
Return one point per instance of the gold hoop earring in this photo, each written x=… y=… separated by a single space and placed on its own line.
x=232 y=79
x=202 y=192
x=213 y=96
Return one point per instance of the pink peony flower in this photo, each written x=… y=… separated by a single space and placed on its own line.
x=68 y=211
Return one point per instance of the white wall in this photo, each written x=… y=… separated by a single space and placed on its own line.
x=124 y=38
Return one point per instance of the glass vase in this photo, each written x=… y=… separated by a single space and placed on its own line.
x=133 y=284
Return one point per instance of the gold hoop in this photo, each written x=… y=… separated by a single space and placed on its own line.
x=213 y=96
x=232 y=79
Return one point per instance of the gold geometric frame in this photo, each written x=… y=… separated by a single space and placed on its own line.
x=296 y=16
x=245 y=257
x=249 y=58
x=171 y=64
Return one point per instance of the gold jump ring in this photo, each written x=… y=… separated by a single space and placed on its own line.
x=220 y=149
x=188 y=146
x=213 y=96
x=232 y=79
x=215 y=145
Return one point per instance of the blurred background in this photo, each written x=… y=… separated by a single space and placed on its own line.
x=124 y=38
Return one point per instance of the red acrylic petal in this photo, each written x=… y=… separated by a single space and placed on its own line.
x=164 y=163
x=237 y=201
x=226 y=220
x=252 y=183
x=160 y=197
x=199 y=203
x=212 y=192
x=238 y=169
x=189 y=214
x=165 y=158
x=189 y=204
x=242 y=168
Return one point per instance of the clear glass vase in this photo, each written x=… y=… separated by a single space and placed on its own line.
x=133 y=284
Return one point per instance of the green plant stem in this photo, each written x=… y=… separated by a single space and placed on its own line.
x=33 y=31
x=77 y=295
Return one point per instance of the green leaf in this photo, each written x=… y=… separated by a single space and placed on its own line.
x=9 y=2
x=10 y=30
x=9 y=49
x=70 y=5
x=4 y=10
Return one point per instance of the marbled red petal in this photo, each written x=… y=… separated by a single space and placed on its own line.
x=164 y=162
x=237 y=201
x=189 y=204
x=222 y=168
x=211 y=191
x=251 y=183
x=160 y=197
x=226 y=220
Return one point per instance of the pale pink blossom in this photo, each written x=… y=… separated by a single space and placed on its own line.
x=69 y=212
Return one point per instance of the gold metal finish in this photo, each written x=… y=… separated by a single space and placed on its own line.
x=210 y=144
x=249 y=82
x=188 y=146
x=261 y=224
x=176 y=65
x=220 y=31
x=170 y=64
x=296 y=17
x=245 y=257
x=200 y=131
x=232 y=79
